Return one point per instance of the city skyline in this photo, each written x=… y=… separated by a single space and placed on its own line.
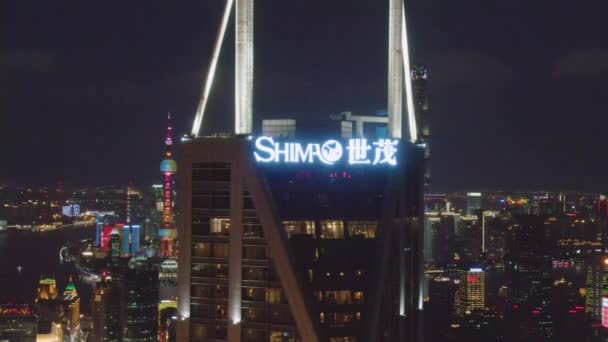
x=518 y=83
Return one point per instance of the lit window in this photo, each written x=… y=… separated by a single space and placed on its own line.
x=332 y=229
x=220 y=226
x=299 y=228
x=362 y=229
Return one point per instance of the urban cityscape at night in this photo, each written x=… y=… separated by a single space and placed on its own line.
x=343 y=171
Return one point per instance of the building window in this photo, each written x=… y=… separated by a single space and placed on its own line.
x=254 y=335
x=200 y=270
x=254 y=315
x=332 y=229
x=219 y=271
x=254 y=294
x=255 y=273
x=221 y=312
x=200 y=226
x=220 y=250
x=254 y=252
x=299 y=228
x=199 y=331
x=200 y=249
x=282 y=336
x=275 y=296
x=359 y=297
x=252 y=227
x=220 y=291
x=362 y=229
x=199 y=311
x=220 y=226
x=200 y=291
x=338 y=297
x=280 y=317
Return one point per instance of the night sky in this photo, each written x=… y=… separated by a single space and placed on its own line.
x=518 y=89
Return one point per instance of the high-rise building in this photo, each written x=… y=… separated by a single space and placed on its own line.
x=439 y=237
x=471 y=293
x=71 y=308
x=47 y=289
x=168 y=167
x=528 y=263
x=99 y=311
x=125 y=306
x=602 y=219
x=596 y=286
x=115 y=250
x=103 y=219
x=130 y=239
x=141 y=301
x=17 y=323
x=289 y=241
x=135 y=205
x=419 y=75
x=474 y=202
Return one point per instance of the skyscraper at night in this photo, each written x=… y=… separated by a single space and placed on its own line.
x=471 y=293
x=285 y=248
x=528 y=266
x=168 y=167
x=310 y=240
x=419 y=74
x=596 y=286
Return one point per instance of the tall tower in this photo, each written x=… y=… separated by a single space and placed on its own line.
x=419 y=74
x=168 y=167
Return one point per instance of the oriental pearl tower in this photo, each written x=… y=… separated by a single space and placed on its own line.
x=167 y=233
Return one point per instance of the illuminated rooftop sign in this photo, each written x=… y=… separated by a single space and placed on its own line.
x=329 y=152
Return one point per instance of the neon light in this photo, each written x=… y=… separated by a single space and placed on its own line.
x=329 y=152
x=475 y=270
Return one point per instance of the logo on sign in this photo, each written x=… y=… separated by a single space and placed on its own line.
x=359 y=151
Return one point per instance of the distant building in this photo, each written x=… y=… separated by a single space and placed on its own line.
x=596 y=286
x=47 y=289
x=17 y=323
x=99 y=311
x=141 y=301
x=130 y=239
x=474 y=202
x=167 y=233
x=471 y=293
x=103 y=219
x=125 y=307
x=528 y=263
x=419 y=75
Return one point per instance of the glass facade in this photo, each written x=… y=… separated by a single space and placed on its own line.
x=264 y=310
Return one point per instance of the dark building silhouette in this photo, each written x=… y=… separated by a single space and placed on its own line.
x=528 y=265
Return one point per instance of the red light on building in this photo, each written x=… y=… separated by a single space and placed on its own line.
x=536 y=312
x=572 y=311
x=515 y=307
x=106 y=233
x=472 y=279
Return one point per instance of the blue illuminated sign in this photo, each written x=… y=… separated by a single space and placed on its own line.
x=329 y=152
